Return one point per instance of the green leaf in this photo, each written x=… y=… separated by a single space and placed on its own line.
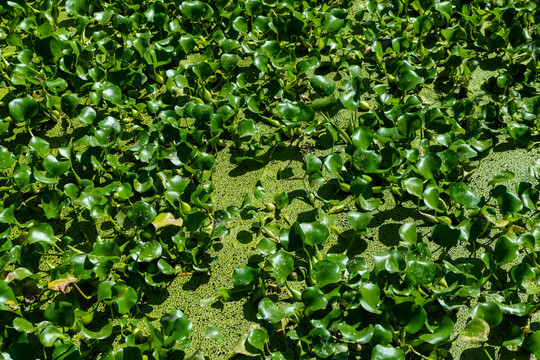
x=280 y=265
x=407 y=233
x=314 y=299
x=509 y=203
x=350 y=334
x=409 y=81
x=112 y=93
x=326 y=272
x=505 y=251
x=501 y=176
x=429 y=165
x=54 y=167
x=24 y=109
x=60 y=313
x=418 y=317
x=391 y=260
x=245 y=276
x=513 y=337
x=414 y=186
x=213 y=332
x=266 y=246
x=87 y=115
x=431 y=198
x=281 y=200
x=387 y=353
x=488 y=311
x=362 y=137
x=23 y=325
x=366 y=160
x=123 y=298
x=176 y=325
x=47 y=333
x=142 y=214
x=445 y=235
x=246 y=128
x=57 y=85
x=322 y=85
x=77 y=7
x=321 y=341
x=148 y=251
x=6 y=158
x=532 y=343
x=462 y=195
x=422 y=24
x=441 y=333
x=43 y=234
x=311 y=233
x=53 y=202
x=420 y=272
x=358 y=220
x=333 y=164
x=256 y=340
x=39 y=146
x=370 y=297
x=268 y=311
x=7 y=297
x=313 y=164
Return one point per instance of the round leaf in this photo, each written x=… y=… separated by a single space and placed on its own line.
x=311 y=233
x=476 y=332
x=142 y=214
x=358 y=220
x=23 y=109
x=488 y=311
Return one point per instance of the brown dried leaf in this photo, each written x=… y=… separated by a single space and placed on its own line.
x=62 y=285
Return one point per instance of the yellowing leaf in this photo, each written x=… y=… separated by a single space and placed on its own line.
x=166 y=219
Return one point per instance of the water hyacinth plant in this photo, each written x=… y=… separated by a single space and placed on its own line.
x=295 y=179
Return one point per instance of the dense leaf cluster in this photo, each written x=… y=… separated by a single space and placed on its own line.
x=115 y=112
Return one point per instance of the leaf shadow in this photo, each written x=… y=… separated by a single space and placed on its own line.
x=358 y=246
x=195 y=281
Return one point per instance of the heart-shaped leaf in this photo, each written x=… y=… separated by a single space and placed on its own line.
x=311 y=233
x=462 y=195
x=505 y=251
x=54 y=167
x=142 y=214
x=280 y=265
x=314 y=299
x=441 y=333
x=358 y=220
x=268 y=311
x=24 y=109
x=488 y=311
x=410 y=80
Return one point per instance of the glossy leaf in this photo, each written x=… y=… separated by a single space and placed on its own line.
x=280 y=265
x=311 y=233
x=24 y=109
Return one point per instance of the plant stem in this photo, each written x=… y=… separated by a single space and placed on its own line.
x=81 y=292
x=417 y=353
